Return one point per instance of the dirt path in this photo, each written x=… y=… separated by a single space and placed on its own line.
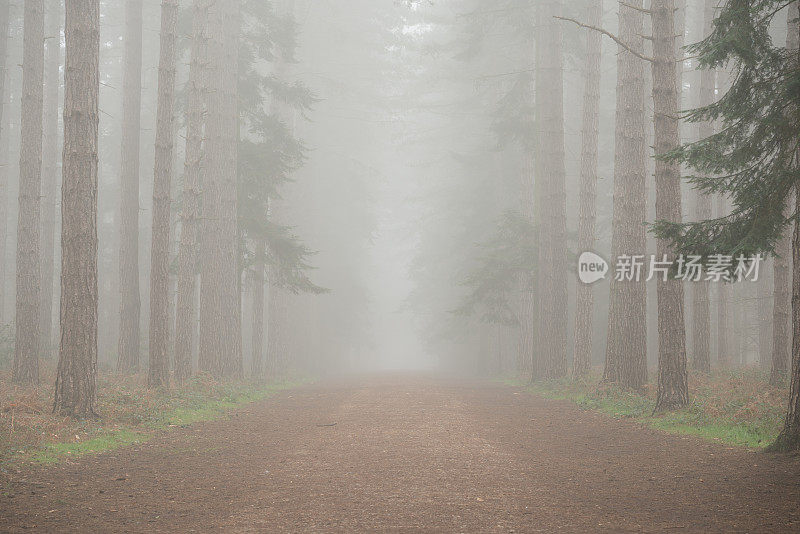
x=411 y=454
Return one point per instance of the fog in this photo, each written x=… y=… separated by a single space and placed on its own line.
x=433 y=250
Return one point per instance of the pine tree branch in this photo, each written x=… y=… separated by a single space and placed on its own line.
x=611 y=35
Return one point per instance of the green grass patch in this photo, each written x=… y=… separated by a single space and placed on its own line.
x=53 y=452
x=130 y=414
x=735 y=408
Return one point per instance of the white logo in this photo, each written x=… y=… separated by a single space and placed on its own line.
x=591 y=268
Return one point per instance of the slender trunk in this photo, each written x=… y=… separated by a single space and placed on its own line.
x=584 y=309
x=527 y=301
x=257 y=362
x=765 y=304
x=276 y=331
x=553 y=252
x=162 y=181
x=626 y=349
x=77 y=366
x=723 y=305
x=26 y=353
x=129 y=298
x=220 y=337
x=185 y=309
x=789 y=438
x=701 y=302
x=50 y=171
x=673 y=390
x=781 y=344
x=4 y=175
x=232 y=311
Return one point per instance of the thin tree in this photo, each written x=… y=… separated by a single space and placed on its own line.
x=128 y=346
x=220 y=311
x=158 y=374
x=626 y=345
x=781 y=341
x=232 y=270
x=4 y=178
x=588 y=190
x=723 y=303
x=26 y=353
x=185 y=309
x=75 y=389
x=673 y=390
x=50 y=169
x=552 y=287
x=257 y=360
x=701 y=302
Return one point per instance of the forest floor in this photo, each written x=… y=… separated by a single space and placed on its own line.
x=407 y=453
x=733 y=406
x=130 y=413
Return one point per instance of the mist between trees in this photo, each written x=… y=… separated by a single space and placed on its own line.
x=248 y=189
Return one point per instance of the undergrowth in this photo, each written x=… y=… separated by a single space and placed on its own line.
x=733 y=407
x=130 y=413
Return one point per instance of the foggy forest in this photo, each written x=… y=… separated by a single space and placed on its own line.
x=399 y=266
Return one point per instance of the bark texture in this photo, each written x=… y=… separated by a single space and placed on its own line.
x=789 y=438
x=781 y=332
x=129 y=298
x=158 y=374
x=26 y=353
x=584 y=309
x=77 y=365
x=552 y=332
x=701 y=302
x=673 y=390
x=220 y=312
x=186 y=309
x=626 y=349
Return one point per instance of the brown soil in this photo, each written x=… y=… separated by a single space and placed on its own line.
x=410 y=454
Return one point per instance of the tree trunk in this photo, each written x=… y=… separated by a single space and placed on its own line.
x=232 y=276
x=50 y=171
x=77 y=364
x=723 y=305
x=257 y=362
x=220 y=335
x=276 y=323
x=626 y=348
x=765 y=304
x=553 y=253
x=26 y=354
x=4 y=175
x=584 y=308
x=673 y=391
x=159 y=267
x=185 y=309
x=701 y=303
x=781 y=344
x=789 y=438
x=526 y=341
x=129 y=298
